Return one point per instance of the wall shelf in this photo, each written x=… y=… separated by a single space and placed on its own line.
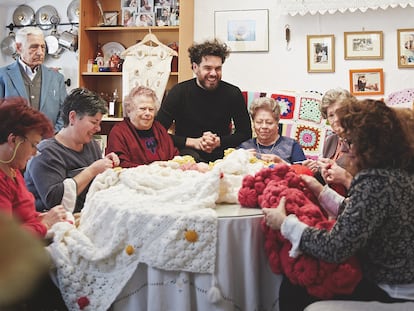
x=90 y=35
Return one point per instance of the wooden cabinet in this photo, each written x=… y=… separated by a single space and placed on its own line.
x=90 y=35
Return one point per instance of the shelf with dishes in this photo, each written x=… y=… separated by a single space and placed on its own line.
x=114 y=39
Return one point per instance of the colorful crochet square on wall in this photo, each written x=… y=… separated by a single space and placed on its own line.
x=308 y=137
x=287 y=105
x=309 y=110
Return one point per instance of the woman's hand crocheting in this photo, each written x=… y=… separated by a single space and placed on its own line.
x=275 y=217
x=313 y=184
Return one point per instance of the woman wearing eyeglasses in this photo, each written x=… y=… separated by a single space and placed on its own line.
x=330 y=168
x=69 y=161
x=269 y=145
x=375 y=221
x=21 y=129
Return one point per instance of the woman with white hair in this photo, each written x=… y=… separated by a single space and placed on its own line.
x=138 y=139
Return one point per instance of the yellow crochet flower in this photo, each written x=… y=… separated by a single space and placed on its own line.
x=191 y=236
x=129 y=249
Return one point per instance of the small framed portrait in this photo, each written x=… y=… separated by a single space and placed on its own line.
x=110 y=18
x=130 y=3
x=405 y=41
x=321 y=53
x=162 y=15
x=363 y=45
x=144 y=19
x=146 y=6
x=128 y=17
x=366 y=81
x=163 y=2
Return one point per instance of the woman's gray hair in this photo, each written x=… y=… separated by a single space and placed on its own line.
x=266 y=103
x=129 y=101
x=331 y=97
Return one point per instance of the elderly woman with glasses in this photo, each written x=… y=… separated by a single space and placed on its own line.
x=268 y=144
x=21 y=129
x=330 y=168
x=375 y=221
x=70 y=160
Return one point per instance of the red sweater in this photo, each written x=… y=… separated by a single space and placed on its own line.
x=131 y=149
x=18 y=202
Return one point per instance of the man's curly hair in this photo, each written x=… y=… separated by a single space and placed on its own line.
x=207 y=48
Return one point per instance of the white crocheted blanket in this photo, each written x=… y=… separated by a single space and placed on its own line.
x=151 y=214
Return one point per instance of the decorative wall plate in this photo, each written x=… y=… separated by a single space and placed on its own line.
x=111 y=48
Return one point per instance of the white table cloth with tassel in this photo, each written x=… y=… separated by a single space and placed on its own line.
x=243 y=277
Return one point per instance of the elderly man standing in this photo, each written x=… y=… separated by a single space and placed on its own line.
x=28 y=77
x=203 y=108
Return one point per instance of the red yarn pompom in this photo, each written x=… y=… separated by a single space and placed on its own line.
x=83 y=302
x=247 y=197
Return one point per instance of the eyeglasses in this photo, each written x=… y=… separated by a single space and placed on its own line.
x=34 y=146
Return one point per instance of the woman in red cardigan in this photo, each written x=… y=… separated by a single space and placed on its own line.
x=21 y=129
x=139 y=139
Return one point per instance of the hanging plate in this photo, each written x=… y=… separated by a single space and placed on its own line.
x=73 y=11
x=23 y=15
x=44 y=15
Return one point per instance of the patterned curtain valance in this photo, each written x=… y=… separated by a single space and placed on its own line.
x=303 y=7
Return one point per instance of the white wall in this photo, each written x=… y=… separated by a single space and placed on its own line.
x=280 y=69
x=68 y=61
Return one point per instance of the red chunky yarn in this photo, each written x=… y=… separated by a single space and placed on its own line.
x=321 y=279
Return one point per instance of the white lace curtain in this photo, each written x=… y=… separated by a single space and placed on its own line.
x=302 y=7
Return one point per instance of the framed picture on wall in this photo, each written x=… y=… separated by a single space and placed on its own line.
x=243 y=31
x=321 y=53
x=405 y=41
x=363 y=45
x=366 y=81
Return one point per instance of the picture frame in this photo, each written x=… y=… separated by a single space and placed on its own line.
x=110 y=18
x=128 y=17
x=405 y=42
x=243 y=30
x=162 y=15
x=363 y=45
x=321 y=53
x=366 y=81
x=145 y=20
x=146 y=6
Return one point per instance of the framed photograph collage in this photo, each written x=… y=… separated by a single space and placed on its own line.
x=146 y=13
x=405 y=39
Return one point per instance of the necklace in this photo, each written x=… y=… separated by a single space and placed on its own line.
x=260 y=151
